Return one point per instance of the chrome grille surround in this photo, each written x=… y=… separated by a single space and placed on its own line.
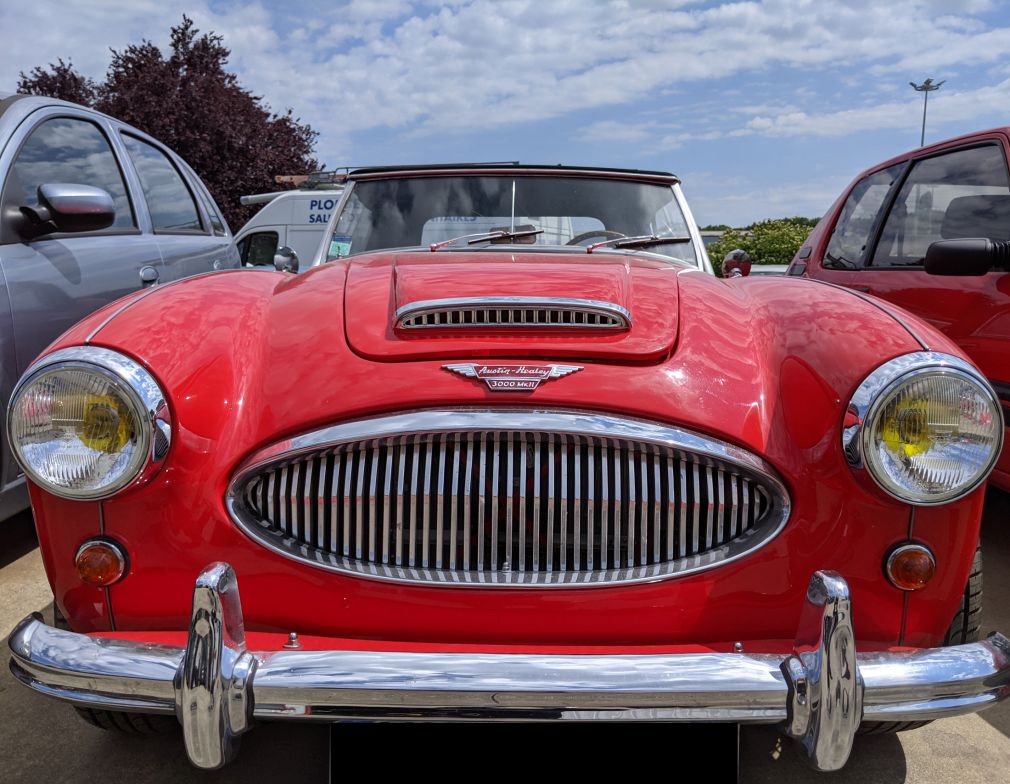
x=512 y=313
x=690 y=502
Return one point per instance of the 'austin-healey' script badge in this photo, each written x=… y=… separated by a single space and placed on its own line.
x=513 y=378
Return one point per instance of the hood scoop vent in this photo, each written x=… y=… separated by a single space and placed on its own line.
x=478 y=313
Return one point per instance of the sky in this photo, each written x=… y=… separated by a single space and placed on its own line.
x=764 y=109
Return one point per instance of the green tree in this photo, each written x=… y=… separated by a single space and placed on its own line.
x=767 y=242
x=191 y=102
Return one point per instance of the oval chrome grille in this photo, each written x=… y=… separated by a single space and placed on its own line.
x=509 y=503
x=512 y=313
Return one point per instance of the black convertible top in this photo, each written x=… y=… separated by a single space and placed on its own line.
x=503 y=166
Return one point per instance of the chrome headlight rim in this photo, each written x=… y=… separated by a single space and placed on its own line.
x=874 y=391
x=140 y=390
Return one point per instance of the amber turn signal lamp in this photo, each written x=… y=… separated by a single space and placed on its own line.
x=910 y=567
x=100 y=562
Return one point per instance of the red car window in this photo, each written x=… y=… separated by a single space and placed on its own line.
x=965 y=193
x=859 y=214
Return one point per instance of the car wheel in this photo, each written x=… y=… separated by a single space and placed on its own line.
x=964 y=628
x=119 y=721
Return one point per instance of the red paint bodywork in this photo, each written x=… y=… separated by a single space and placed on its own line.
x=249 y=357
x=974 y=312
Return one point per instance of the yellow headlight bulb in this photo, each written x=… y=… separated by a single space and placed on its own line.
x=107 y=425
x=906 y=430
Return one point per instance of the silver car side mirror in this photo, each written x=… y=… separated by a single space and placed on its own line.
x=285 y=260
x=67 y=207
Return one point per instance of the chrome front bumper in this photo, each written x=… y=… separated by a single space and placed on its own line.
x=820 y=693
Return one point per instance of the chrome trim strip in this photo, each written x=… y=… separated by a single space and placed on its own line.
x=821 y=691
x=612 y=315
x=565 y=425
x=866 y=400
x=148 y=400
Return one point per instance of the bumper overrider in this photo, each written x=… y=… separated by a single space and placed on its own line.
x=819 y=694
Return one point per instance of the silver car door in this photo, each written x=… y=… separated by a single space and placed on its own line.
x=186 y=236
x=55 y=280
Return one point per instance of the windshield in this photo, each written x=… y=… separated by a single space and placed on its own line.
x=572 y=211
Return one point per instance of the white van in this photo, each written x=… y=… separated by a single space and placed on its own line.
x=290 y=219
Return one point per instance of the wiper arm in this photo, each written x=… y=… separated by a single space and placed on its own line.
x=488 y=236
x=636 y=242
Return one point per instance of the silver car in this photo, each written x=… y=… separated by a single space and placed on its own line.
x=91 y=210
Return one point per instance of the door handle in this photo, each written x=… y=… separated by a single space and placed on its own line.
x=148 y=276
x=864 y=289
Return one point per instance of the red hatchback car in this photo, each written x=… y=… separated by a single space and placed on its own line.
x=930 y=231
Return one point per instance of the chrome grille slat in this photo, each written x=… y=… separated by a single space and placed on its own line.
x=401 y=469
x=604 y=502
x=440 y=505
x=481 y=485
x=345 y=474
x=426 y=514
x=359 y=501
x=629 y=463
x=522 y=510
x=412 y=511
x=537 y=492
x=508 y=506
x=563 y=503
x=387 y=500
x=710 y=508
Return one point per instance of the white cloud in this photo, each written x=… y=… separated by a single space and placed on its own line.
x=468 y=65
x=947 y=107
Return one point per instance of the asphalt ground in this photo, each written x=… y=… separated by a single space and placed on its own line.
x=42 y=740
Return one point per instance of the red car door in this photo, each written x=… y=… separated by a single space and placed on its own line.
x=880 y=232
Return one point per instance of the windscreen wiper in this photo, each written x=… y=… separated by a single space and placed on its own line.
x=636 y=242
x=488 y=236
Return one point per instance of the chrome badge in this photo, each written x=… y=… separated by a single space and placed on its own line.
x=513 y=378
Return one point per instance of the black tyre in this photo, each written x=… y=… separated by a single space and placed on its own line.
x=964 y=628
x=128 y=723
x=120 y=721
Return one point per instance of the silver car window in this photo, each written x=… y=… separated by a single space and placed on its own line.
x=169 y=201
x=69 y=150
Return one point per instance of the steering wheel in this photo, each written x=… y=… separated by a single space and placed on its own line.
x=611 y=235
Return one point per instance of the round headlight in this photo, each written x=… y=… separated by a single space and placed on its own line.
x=85 y=422
x=930 y=428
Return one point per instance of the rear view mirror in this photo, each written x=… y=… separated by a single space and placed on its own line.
x=67 y=207
x=285 y=260
x=973 y=256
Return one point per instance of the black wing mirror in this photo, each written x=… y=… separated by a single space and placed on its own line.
x=285 y=260
x=67 y=207
x=972 y=256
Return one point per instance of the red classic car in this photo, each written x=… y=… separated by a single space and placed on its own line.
x=929 y=231
x=532 y=461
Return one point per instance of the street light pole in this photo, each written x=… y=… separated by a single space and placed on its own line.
x=925 y=88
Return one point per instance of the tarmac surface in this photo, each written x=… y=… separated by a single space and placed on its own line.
x=43 y=741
